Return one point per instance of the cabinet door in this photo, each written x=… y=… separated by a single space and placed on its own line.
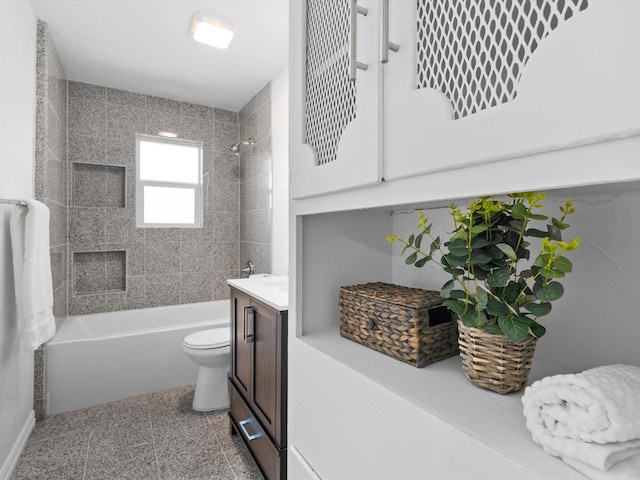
x=478 y=82
x=336 y=111
x=242 y=342
x=266 y=377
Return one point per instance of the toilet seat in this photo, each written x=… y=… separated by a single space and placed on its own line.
x=209 y=339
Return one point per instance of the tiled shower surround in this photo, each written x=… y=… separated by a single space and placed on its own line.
x=51 y=184
x=162 y=266
x=255 y=181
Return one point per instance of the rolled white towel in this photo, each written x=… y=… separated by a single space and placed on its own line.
x=590 y=418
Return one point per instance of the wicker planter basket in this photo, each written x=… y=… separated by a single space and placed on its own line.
x=408 y=324
x=493 y=361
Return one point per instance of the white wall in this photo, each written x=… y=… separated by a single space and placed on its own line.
x=17 y=136
x=280 y=172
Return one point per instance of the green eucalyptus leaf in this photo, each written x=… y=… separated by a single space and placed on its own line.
x=459 y=294
x=519 y=211
x=445 y=291
x=418 y=240
x=514 y=328
x=410 y=240
x=455 y=260
x=558 y=224
x=456 y=272
x=537 y=216
x=526 y=274
x=537 y=330
x=411 y=259
x=422 y=262
x=507 y=250
x=476 y=229
x=471 y=318
x=459 y=250
x=481 y=299
x=459 y=235
x=550 y=273
x=435 y=245
x=539 y=309
x=455 y=306
x=497 y=308
x=493 y=329
x=479 y=242
x=480 y=258
x=549 y=293
x=499 y=277
x=534 y=232
x=511 y=292
x=542 y=260
x=563 y=264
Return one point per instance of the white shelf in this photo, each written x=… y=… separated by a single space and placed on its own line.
x=441 y=390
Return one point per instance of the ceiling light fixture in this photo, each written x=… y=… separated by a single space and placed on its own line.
x=211 y=31
x=168 y=134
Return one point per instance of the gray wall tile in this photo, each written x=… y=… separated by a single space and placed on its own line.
x=225 y=135
x=159 y=121
x=87 y=118
x=86 y=304
x=199 y=129
x=86 y=149
x=123 y=97
x=221 y=115
x=226 y=226
x=259 y=254
x=225 y=255
x=226 y=197
x=162 y=258
x=120 y=224
x=200 y=111
x=87 y=225
x=196 y=287
x=196 y=257
x=124 y=122
x=87 y=91
x=162 y=290
x=220 y=286
x=163 y=105
x=226 y=167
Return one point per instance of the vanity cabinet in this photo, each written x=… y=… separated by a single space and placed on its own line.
x=470 y=84
x=258 y=381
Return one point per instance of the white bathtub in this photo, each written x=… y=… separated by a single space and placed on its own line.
x=104 y=357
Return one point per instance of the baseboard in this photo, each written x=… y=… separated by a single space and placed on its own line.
x=14 y=455
x=298 y=467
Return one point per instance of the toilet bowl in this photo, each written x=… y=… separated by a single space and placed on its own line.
x=211 y=350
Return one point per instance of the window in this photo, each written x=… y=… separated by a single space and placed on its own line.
x=168 y=182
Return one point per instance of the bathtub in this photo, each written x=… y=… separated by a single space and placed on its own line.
x=103 y=357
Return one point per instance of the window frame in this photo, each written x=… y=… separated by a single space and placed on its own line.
x=198 y=187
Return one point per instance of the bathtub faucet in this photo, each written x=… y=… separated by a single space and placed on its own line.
x=249 y=270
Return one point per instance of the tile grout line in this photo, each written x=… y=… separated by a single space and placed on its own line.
x=86 y=456
x=153 y=440
x=224 y=453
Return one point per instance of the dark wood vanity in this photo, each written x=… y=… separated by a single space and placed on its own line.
x=258 y=381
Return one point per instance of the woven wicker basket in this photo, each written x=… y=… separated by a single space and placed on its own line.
x=493 y=361
x=408 y=324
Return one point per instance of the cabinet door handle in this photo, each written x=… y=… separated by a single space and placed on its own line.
x=249 y=320
x=385 y=44
x=353 y=40
x=258 y=433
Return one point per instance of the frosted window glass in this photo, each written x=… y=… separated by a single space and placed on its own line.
x=169 y=205
x=169 y=162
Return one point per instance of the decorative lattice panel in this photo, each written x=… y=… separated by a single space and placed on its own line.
x=330 y=97
x=474 y=51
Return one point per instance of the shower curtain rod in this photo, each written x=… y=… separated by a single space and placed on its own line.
x=19 y=203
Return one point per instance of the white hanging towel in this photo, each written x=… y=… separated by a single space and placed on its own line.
x=32 y=273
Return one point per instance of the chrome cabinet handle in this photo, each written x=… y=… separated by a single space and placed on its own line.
x=385 y=44
x=249 y=320
x=256 y=435
x=353 y=40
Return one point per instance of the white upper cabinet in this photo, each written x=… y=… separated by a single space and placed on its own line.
x=471 y=83
x=482 y=81
x=336 y=96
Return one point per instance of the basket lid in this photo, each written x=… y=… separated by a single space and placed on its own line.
x=396 y=294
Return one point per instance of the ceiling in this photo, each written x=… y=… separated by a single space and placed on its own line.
x=144 y=46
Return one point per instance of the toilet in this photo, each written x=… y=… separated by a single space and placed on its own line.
x=211 y=350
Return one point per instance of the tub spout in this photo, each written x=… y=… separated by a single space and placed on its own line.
x=249 y=270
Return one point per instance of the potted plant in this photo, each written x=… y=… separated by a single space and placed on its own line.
x=496 y=290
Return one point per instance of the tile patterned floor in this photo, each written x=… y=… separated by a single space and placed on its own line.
x=156 y=436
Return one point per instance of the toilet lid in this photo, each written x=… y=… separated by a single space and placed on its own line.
x=205 y=339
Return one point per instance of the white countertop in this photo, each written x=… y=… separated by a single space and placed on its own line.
x=270 y=289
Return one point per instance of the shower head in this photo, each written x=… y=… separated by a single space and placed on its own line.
x=235 y=148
